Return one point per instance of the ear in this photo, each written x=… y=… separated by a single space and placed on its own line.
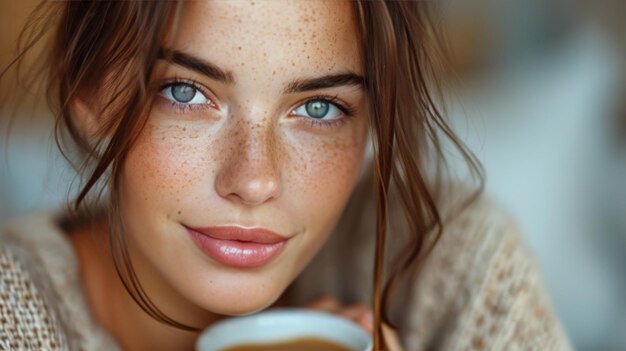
x=85 y=118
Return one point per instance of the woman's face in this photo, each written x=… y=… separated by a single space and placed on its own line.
x=260 y=122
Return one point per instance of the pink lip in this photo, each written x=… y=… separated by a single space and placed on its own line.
x=238 y=247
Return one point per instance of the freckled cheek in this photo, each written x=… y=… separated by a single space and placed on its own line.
x=325 y=177
x=164 y=166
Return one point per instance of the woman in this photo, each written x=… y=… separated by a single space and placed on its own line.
x=228 y=139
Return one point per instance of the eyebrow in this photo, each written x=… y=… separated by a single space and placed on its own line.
x=327 y=81
x=196 y=64
x=301 y=85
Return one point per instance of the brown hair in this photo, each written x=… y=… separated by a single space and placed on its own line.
x=112 y=46
x=400 y=55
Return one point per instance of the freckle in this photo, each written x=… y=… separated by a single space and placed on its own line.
x=179 y=212
x=239 y=48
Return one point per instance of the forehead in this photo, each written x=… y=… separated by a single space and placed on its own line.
x=272 y=35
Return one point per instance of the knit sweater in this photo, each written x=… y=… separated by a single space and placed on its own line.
x=480 y=289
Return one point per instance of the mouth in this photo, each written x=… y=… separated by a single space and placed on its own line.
x=237 y=246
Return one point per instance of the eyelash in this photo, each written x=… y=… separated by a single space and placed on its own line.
x=334 y=123
x=184 y=108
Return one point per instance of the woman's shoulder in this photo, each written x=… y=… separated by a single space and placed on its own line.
x=41 y=296
x=44 y=254
x=476 y=233
x=476 y=223
x=28 y=319
x=481 y=287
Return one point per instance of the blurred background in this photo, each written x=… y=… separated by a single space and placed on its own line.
x=540 y=97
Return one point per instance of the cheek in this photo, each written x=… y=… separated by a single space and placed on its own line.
x=163 y=167
x=330 y=171
x=322 y=176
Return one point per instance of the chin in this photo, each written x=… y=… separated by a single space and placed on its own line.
x=240 y=308
x=235 y=311
x=238 y=299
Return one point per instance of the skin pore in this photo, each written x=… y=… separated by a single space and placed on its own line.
x=235 y=137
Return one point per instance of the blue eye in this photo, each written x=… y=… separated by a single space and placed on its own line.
x=318 y=109
x=184 y=93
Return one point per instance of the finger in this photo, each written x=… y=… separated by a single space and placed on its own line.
x=367 y=321
x=325 y=303
x=355 y=311
x=361 y=315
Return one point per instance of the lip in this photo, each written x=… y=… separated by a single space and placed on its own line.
x=237 y=246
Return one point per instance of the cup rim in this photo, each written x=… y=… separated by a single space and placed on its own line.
x=276 y=317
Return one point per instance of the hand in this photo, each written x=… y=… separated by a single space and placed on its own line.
x=358 y=313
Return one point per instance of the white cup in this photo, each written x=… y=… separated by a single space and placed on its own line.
x=284 y=324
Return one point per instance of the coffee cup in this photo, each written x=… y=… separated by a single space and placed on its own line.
x=286 y=328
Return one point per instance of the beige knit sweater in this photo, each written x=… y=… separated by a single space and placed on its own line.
x=479 y=290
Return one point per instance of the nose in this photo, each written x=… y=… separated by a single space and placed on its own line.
x=249 y=172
